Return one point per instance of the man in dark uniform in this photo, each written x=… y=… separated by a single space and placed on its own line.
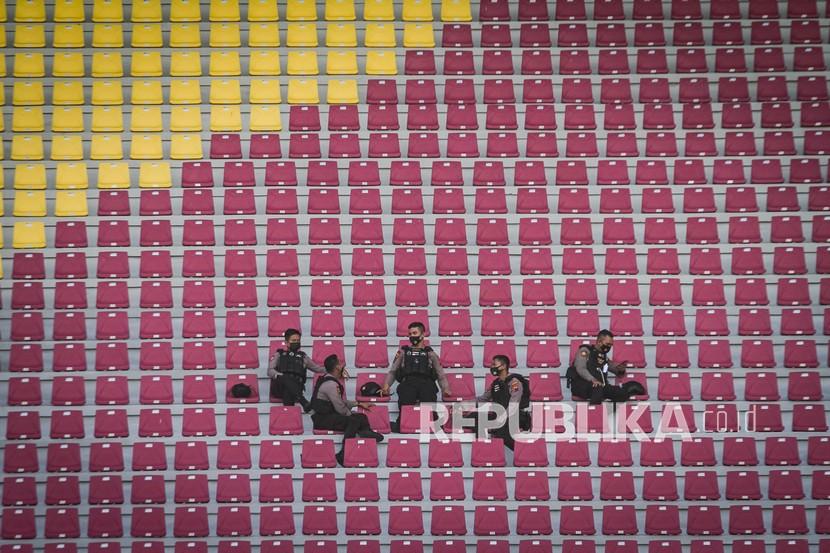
x=588 y=374
x=287 y=371
x=333 y=412
x=511 y=392
x=417 y=369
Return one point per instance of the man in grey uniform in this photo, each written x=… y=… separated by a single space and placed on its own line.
x=287 y=370
x=417 y=369
x=511 y=391
x=332 y=411
x=588 y=374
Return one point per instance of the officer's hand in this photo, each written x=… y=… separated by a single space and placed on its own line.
x=596 y=384
x=365 y=405
x=384 y=390
x=446 y=392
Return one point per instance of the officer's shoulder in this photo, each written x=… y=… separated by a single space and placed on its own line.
x=584 y=351
x=428 y=349
x=280 y=350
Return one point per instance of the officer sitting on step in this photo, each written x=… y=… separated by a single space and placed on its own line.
x=588 y=374
x=333 y=412
x=511 y=391
x=416 y=368
x=287 y=371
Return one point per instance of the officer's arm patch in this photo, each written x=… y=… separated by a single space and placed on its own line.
x=583 y=353
x=514 y=386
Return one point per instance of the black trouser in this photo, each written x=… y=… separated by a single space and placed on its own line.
x=415 y=390
x=503 y=431
x=598 y=394
x=350 y=425
x=290 y=388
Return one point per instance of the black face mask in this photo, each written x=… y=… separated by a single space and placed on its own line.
x=415 y=340
x=294 y=347
x=494 y=371
x=604 y=348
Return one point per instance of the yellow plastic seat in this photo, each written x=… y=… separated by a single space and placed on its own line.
x=3 y=65
x=225 y=91
x=71 y=176
x=107 y=11
x=265 y=118
x=262 y=10
x=456 y=11
x=381 y=62
x=107 y=119
x=301 y=35
x=342 y=91
x=185 y=10
x=146 y=11
x=29 y=65
x=28 y=93
x=69 y=11
x=27 y=147
x=303 y=91
x=2 y=36
x=225 y=35
x=146 y=146
x=264 y=62
x=29 y=235
x=30 y=11
x=380 y=35
x=417 y=10
x=67 y=147
x=341 y=62
x=225 y=64
x=68 y=65
x=107 y=146
x=340 y=10
x=107 y=35
x=146 y=93
x=154 y=174
x=146 y=119
x=113 y=175
x=264 y=35
x=186 y=146
x=185 y=91
x=265 y=91
x=29 y=203
x=341 y=35
x=68 y=93
x=71 y=203
x=29 y=35
x=3 y=16
x=418 y=35
x=27 y=119
x=302 y=62
x=107 y=65
x=378 y=10
x=146 y=64
x=107 y=93
x=185 y=119
x=301 y=10
x=68 y=119
x=185 y=64
x=30 y=176
x=224 y=10
x=185 y=35
x=147 y=35
x=225 y=119
x=68 y=35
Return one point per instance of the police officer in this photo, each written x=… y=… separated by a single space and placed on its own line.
x=510 y=390
x=287 y=370
x=588 y=374
x=416 y=368
x=333 y=412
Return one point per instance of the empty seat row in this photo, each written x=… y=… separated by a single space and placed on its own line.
x=489 y=173
x=27 y=11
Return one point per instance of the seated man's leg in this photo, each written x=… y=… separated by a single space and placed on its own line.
x=503 y=432
x=407 y=395
x=427 y=391
x=597 y=395
x=581 y=389
x=292 y=392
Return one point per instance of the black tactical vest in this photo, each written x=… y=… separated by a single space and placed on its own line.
x=291 y=363
x=416 y=363
x=323 y=406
